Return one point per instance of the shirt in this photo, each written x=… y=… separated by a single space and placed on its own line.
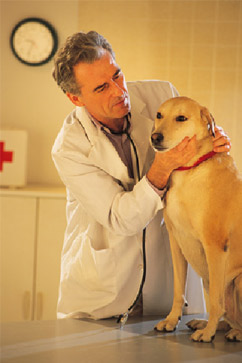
x=122 y=142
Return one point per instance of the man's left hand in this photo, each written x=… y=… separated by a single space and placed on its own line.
x=221 y=141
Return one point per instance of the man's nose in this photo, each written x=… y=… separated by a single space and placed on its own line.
x=117 y=90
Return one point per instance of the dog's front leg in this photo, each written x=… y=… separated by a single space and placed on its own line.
x=180 y=274
x=216 y=258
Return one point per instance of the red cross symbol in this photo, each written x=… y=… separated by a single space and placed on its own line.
x=5 y=156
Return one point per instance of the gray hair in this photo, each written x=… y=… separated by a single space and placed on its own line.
x=80 y=47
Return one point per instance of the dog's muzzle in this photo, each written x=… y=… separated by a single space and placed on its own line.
x=156 y=140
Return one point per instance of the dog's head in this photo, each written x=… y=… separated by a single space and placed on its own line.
x=177 y=118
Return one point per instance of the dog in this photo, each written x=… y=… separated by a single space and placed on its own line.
x=203 y=215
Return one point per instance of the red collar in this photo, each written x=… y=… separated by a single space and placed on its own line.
x=199 y=161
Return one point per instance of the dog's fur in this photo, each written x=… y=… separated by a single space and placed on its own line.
x=203 y=215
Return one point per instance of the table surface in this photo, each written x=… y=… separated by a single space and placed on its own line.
x=71 y=341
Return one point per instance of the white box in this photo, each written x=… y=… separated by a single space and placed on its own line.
x=13 y=157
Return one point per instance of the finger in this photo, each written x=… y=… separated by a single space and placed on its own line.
x=185 y=142
x=182 y=144
x=193 y=140
x=222 y=141
x=222 y=148
x=191 y=146
x=219 y=133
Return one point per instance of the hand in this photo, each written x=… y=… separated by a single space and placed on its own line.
x=165 y=162
x=221 y=141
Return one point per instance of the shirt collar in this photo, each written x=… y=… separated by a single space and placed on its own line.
x=99 y=125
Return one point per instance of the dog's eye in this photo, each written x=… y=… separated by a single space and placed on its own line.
x=158 y=115
x=181 y=118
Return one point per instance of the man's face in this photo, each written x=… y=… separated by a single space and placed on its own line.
x=103 y=89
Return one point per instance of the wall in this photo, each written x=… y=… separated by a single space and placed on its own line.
x=196 y=44
x=30 y=98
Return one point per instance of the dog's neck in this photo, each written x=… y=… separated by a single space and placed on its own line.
x=203 y=158
x=205 y=152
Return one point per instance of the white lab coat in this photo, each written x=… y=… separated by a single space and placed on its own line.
x=102 y=263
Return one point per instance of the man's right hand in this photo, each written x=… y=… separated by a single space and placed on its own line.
x=165 y=162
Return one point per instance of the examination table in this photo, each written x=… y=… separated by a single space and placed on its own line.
x=88 y=341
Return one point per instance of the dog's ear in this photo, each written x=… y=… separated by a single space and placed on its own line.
x=208 y=118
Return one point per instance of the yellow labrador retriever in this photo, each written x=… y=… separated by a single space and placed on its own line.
x=203 y=215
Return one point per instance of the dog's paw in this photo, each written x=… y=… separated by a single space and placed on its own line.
x=202 y=335
x=234 y=335
x=196 y=324
x=167 y=325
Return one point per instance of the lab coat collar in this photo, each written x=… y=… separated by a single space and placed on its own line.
x=140 y=135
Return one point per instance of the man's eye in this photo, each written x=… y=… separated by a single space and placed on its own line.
x=101 y=88
x=116 y=76
x=181 y=118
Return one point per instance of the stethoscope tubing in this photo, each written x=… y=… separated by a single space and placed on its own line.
x=125 y=315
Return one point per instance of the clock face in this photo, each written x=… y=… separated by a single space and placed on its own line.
x=34 y=41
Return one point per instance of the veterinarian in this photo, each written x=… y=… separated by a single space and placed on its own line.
x=115 y=186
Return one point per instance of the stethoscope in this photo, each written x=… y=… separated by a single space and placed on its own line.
x=122 y=319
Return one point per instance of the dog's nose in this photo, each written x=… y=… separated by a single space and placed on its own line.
x=156 y=138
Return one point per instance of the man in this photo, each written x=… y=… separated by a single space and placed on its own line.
x=115 y=184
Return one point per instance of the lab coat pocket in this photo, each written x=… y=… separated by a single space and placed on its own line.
x=93 y=269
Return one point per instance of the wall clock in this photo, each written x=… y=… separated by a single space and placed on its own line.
x=34 y=41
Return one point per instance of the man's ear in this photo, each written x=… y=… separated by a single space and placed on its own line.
x=76 y=100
